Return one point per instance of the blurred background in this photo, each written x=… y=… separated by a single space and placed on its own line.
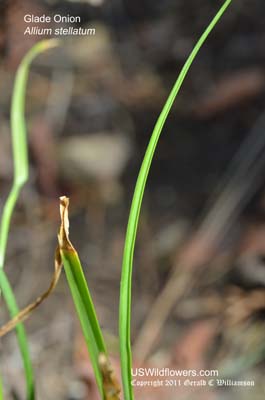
x=199 y=270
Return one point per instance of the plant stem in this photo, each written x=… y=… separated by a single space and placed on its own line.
x=127 y=265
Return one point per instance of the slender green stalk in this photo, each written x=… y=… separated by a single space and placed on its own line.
x=126 y=278
x=20 y=157
x=1 y=390
x=83 y=301
x=20 y=332
x=19 y=140
x=85 y=311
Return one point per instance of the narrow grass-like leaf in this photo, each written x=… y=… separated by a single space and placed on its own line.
x=126 y=278
x=19 y=140
x=20 y=332
x=84 y=306
x=20 y=158
x=1 y=390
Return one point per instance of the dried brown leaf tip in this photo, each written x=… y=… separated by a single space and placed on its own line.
x=26 y=312
x=111 y=385
x=64 y=244
x=63 y=236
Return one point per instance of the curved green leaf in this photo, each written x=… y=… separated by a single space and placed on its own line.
x=126 y=278
x=20 y=158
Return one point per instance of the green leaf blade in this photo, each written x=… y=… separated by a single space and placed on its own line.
x=127 y=265
x=92 y=338
x=20 y=332
x=81 y=295
x=20 y=160
x=72 y=261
